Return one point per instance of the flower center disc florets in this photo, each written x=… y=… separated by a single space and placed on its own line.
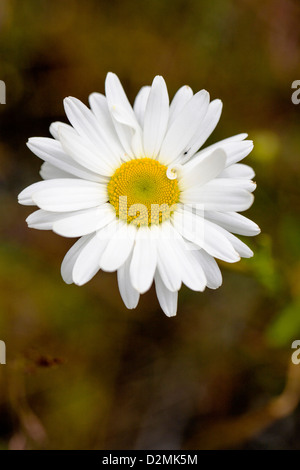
x=141 y=192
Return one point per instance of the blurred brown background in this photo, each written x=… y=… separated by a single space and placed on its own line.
x=83 y=372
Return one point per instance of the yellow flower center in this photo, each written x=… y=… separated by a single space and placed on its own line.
x=141 y=192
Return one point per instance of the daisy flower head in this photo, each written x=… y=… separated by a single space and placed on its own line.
x=132 y=183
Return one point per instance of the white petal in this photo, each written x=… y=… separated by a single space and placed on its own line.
x=233 y=222
x=144 y=260
x=241 y=248
x=217 y=196
x=210 y=267
x=216 y=245
x=52 y=152
x=116 y=98
x=50 y=172
x=156 y=117
x=99 y=106
x=54 y=127
x=72 y=224
x=232 y=183
x=199 y=173
x=166 y=298
x=115 y=93
x=82 y=119
x=42 y=220
x=167 y=263
x=238 y=170
x=88 y=127
x=129 y=295
x=205 y=234
x=228 y=140
x=83 y=153
x=63 y=195
x=235 y=150
x=189 y=269
x=192 y=273
x=208 y=125
x=25 y=196
x=71 y=257
x=184 y=127
x=87 y=262
x=83 y=222
x=119 y=247
x=182 y=96
x=140 y=103
x=131 y=130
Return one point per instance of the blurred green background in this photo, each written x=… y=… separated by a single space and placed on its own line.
x=83 y=372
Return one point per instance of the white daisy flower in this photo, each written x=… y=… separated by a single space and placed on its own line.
x=145 y=202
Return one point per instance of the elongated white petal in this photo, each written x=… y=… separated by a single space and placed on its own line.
x=185 y=265
x=130 y=296
x=117 y=100
x=205 y=234
x=54 y=127
x=87 y=262
x=166 y=298
x=238 y=170
x=140 y=104
x=130 y=128
x=210 y=267
x=72 y=224
x=42 y=220
x=181 y=97
x=51 y=151
x=144 y=260
x=71 y=257
x=184 y=127
x=115 y=93
x=200 y=173
x=240 y=247
x=206 y=127
x=233 y=222
x=216 y=245
x=63 y=195
x=167 y=264
x=99 y=106
x=192 y=273
x=50 y=172
x=156 y=117
x=88 y=127
x=25 y=196
x=217 y=196
x=234 y=138
x=118 y=248
x=235 y=150
x=83 y=222
x=83 y=153
x=82 y=119
x=231 y=183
